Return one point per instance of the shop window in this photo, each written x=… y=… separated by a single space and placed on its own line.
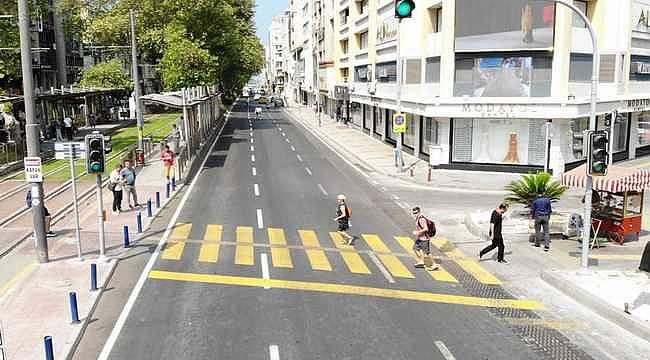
x=640 y=68
x=386 y=72
x=361 y=73
x=367 y=116
x=389 y=122
x=429 y=133
x=409 y=135
x=503 y=76
x=379 y=120
x=432 y=70
x=499 y=141
x=412 y=71
x=643 y=128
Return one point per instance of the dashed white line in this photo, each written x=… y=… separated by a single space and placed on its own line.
x=274 y=352
x=252 y=158
x=322 y=189
x=283 y=134
x=264 y=260
x=444 y=350
x=254 y=171
x=395 y=197
x=260 y=220
x=299 y=158
x=252 y=148
x=252 y=140
x=287 y=140
x=250 y=133
x=381 y=267
x=293 y=148
x=257 y=189
x=373 y=181
x=308 y=171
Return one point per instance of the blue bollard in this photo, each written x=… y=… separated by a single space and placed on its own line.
x=49 y=351
x=126 y=236
x=157 y=199
x=74 y=311
x=93 y=277
x=173 y=184
x=167 y=188
x=138 y=218
x=149 y=210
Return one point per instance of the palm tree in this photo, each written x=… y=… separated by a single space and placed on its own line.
x=525 y=191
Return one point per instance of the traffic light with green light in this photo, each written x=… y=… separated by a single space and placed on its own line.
x=598 y=153
x=404 y=8
x=95 y=154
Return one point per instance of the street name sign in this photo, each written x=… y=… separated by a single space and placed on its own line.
x=33 y=169
x=70 y=150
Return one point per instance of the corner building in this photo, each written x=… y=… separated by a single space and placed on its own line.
x=499 y=85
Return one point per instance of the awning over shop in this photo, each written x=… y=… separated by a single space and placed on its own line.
x=618 y=179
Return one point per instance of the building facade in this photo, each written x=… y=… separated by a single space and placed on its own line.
x=487 y=85
x=278 y=53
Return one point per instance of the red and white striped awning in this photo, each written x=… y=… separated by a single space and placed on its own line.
x=618 y=179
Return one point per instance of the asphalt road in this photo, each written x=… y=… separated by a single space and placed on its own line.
x=210 y=301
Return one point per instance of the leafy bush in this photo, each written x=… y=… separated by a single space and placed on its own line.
x=525 y=191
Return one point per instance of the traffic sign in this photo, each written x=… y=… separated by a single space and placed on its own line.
x=33 y=169
x=399 y=123
x=70 y=150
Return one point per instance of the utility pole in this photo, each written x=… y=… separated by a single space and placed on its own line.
x=32 y=129
x=59 y=40
x=398 y=98
x=318 y=60
x=136 y=82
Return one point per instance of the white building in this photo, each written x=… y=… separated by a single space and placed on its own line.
x=279 y=53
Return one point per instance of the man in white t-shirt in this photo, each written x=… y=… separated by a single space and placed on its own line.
x=67 y=123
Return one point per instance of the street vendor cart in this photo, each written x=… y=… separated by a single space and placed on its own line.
x=617 y=203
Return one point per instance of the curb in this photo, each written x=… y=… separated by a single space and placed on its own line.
x=471 y=226
x=608 y=312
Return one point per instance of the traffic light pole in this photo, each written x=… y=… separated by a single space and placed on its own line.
x=73 y=174
x=136 y=82
x=100 y=218
x=32 y=129
x=398 y=100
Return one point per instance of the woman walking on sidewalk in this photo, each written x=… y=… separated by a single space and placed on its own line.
x=115 y=185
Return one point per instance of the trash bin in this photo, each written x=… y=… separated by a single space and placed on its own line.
x=435 y=155
x=645 y=259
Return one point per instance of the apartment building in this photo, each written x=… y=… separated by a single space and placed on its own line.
x=479 y=92
x=278 y=53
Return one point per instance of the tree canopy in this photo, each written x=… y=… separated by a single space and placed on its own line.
x=190 y=42
x=107 y=75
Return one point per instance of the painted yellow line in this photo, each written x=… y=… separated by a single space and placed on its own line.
x=244 y=249
x=470 y=266
x=212 y=240
x=351 y=258
x=16 y=279
x=317 y=258
x=391 y=262
x=347 y=289
x=439 y=275
x=615 y=257
x=280 y=256
x=176 y=244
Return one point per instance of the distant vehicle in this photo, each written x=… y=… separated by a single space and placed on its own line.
x=263 y=100
x=278 y=102
x=257 y=97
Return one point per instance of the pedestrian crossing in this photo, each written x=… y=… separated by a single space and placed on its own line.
x=320 y=251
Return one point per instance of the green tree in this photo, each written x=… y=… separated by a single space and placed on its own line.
x=525 y=191
x=107 y=75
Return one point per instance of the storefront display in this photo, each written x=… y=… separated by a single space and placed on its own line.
x=429 y=134
x=356 y=115
x=409 y=135
x=643 y=128
x=390 y=135
x=367 y=116
x=380 y=121
x=499 y=141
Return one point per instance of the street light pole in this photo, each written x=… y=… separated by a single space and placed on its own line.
x=32 y=129
x=398 y=99
x=136 y=81
x=318 y=61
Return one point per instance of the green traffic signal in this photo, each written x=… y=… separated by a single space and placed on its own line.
x=598 y=155
x=404 y=8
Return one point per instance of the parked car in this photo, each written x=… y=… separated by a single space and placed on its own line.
x=263 y=100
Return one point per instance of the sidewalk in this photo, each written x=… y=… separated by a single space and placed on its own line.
x=35 y=299
x=378 y=157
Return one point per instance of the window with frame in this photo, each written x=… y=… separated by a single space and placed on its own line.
x=344 y=46
x=386 y=72
x=412 y=71
x=345 y=73
x=582 y=5
x=429 y=133
x=362 y=7
x=435 y=19
x=362 y=39
x=432 y=70
x=361 y=73
x=343 y=15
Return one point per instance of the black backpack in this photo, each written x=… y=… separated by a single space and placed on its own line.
x=431 y=226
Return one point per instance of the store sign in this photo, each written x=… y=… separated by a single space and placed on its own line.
x=641 y=16
x=33 y=169
x=637 y=105
x=386 y=30
x=399 y=123
x=501 y=111
x=640 y=68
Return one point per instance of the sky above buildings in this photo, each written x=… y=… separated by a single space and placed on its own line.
x=264 y=12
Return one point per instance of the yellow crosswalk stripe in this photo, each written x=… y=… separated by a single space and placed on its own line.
x=210 y=248
x=244 y=250
x=440 y=275
x=352 y=259
x=176 y=244
x=391 y=262
x=317 y=258
x=469 y=265
x=280 y=256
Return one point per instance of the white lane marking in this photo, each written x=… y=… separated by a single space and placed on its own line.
x=381 y=267
x=253 y=158
x=257 y=190
x=252 y=140
x=126 y=309
x=279 y=128
x=264 y=259
x=444 y=350
x=274 y=352
x=252 y=148
x=299 y=158
x=260 y=220
x=322 y=189
x=293 y=148
x=250 y=133
x=373 y=181
x=288 y=141
x=308 y=171
x=254 y=171
x=395 y=197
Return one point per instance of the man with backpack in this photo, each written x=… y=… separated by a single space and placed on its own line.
x=425 y=230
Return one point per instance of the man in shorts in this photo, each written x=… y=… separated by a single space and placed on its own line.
x=422 y=247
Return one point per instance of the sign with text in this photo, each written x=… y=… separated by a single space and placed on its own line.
x=399 y=123
x=33 y=169
x=641 y=16
x=70 y=150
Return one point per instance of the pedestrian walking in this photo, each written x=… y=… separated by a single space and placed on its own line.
x=425 y=229
x=128 y=177
x=115 y=184
x=175 y=139
x=541 y=213
x=495 y=234
x=343 y=214
x=58 y=130
x=67 y=123
x=169 y=159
